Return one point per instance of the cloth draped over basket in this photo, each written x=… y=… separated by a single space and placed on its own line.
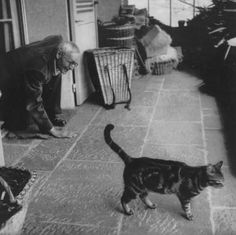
x=154 y=48
x=111 y=73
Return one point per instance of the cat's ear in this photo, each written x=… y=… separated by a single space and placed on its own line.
x=218 y=165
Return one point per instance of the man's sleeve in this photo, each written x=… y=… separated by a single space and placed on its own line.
x=34 y=103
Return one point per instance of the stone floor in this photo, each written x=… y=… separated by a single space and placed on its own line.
x=80 y=180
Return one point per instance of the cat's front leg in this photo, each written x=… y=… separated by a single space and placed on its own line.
x=127 y=209
x=147 y=201
x=187 y=208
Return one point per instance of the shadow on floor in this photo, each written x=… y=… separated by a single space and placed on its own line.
x=226 y=102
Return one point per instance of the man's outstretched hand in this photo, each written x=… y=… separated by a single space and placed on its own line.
x=61 y=133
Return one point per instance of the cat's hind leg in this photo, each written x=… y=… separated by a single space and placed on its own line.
x=128 y=195
x=186 y=207
x=147 y=201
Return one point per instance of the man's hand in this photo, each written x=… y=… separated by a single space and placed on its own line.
x=61 y=133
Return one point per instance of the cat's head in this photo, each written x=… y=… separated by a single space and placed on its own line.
x=214 y=176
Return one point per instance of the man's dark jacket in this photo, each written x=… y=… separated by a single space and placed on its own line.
x=24 y=72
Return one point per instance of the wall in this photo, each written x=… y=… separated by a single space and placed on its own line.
x=45 y=18
x=107 y=9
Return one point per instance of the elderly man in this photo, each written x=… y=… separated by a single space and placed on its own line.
x=30 y=82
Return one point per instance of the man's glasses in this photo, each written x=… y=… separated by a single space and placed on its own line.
x=72 y=64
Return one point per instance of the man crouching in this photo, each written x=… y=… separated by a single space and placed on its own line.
x=30 y=82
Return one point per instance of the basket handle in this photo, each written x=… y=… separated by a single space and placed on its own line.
x=7 y=190
x=127 y=106
x=112 y=105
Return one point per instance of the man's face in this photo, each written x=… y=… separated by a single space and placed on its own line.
x=67 y=61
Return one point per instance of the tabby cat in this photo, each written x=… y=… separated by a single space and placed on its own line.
x=143 y=175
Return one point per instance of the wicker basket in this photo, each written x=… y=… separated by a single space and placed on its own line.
x=119 y=42
x=114 y=67
x=117 y=35
x=158 y=67
x=113 y=30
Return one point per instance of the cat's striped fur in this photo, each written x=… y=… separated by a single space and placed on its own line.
x=142 y=175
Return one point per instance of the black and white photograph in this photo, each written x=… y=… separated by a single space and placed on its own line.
x=117 y=117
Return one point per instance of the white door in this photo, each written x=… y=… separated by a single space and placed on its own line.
x=84 y=34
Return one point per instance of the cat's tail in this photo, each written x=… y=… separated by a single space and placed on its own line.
x=116 y=148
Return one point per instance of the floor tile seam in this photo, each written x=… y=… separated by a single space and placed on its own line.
x=192 y=90
x=181 y=103
x=189 y=90
x=224 y=208
x=174 y=144
x=34 y=145
x=212 y=111
x=17 y=145
x=94 y=161
x=75 y=224
x=119 y=227
x=204 y=139
x=140 y=105
x=152 y=117
x=155 y=91
x=200 y=147
x=67 y=153
x=213 y=129
x=169 y=121
x=140 y=90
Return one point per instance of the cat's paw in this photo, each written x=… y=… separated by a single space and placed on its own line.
x=152 y=206
x=189 y=217
x=129 y=212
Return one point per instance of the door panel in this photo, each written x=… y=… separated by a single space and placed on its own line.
x=85 y=36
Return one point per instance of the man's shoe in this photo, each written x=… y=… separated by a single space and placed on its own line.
x=59 y=122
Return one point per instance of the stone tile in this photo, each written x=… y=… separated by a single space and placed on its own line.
x=81 y=193
x=225 y=221
x=155 y=83
x=138 y=115
x=178 y=106
x=181 y=81
x=179 y=98
x=175 y=133
x=168 y=217
x=92 y=145
x=65 y=229
x=46 y=155
x=208 y=101
x=177 y=113
x=13 y=153
x=41 y=179
x=84 y=114
x=211 y=119
x=68 y=114
x=15 y=141
x=145 y=98
x=191 y=155
x=225 y=196
x=147 y=83
x=216 y=146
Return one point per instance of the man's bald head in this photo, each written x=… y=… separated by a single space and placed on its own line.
x=67 y=56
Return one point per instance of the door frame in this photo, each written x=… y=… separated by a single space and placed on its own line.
x=72 y=36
